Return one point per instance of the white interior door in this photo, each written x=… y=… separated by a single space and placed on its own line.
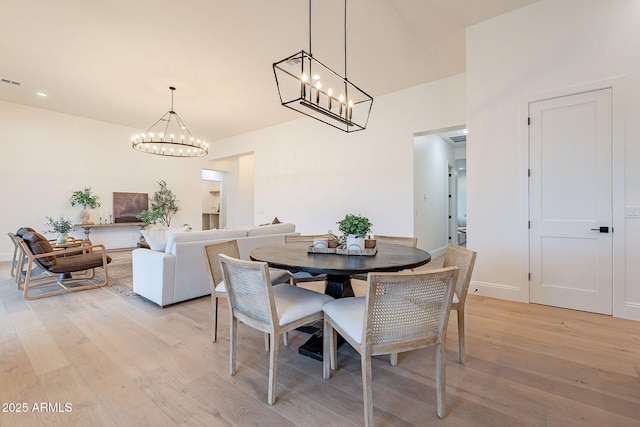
x=570 y=142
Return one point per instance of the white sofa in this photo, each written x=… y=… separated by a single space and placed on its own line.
x=180 y=272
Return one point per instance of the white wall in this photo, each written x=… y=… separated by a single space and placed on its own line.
x=305 y=172
x=432 y=156
x=46 y=156
x=547 y=46
x=312 y=175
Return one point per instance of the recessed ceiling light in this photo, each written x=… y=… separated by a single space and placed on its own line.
x=42 y=94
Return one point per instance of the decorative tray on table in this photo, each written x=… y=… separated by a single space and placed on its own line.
x=342 y=250
x=321 y=250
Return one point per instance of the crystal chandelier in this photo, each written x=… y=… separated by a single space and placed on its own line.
x=311 y=88
x=171 y=137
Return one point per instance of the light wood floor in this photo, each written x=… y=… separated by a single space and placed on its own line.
x=129 y=363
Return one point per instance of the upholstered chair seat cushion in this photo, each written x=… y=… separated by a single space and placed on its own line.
x=348 y=313
x=73 y=263
x=293 y=303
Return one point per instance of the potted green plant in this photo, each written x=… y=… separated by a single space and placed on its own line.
x=163 y=205
x=354 y=229
x=150 y=217
x=61 y=226
x=85 y=199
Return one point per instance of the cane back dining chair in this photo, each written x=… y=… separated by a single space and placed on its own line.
x=81 y=259
x=302 y=277
x=218 y=288
x=401 y=312
x=464 y=259
x=360 y=287
x=398 y=240
x=273 y=310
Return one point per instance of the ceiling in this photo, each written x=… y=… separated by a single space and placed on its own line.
x=114 y=60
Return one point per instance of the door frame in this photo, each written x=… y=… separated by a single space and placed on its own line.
x=617 y=85
x=452 y=192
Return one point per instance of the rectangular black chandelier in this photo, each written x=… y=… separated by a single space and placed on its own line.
x=311 y=88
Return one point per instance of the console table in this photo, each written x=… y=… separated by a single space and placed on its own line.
x=87 y=227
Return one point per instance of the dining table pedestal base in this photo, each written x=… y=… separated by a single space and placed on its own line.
x=338 y=286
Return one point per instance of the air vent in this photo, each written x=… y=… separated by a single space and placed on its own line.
x=458 y=139
x=12 y=82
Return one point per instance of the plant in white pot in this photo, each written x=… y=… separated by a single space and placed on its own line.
x=61 y=226
x=87 y=200
x=355 y=228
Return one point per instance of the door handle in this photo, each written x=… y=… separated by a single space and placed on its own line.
x=601 y=229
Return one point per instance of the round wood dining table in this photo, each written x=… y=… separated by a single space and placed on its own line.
x=295 y=257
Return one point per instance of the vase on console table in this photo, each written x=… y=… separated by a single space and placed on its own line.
x=62 y=238
x=85 y=216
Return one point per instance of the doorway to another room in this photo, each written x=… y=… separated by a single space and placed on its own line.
x=213 y=199
x=440 y=188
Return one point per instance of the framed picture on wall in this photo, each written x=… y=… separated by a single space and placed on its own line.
x=127 y=205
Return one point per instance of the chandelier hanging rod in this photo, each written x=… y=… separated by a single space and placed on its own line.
x=308 y=86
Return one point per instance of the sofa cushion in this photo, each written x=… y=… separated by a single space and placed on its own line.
x=200 y=236
x=271 y=229
x=157 y=237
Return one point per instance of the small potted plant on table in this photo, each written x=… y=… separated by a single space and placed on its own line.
x=61 y=226
x=355 y=228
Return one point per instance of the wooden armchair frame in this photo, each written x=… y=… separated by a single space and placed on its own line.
x=94 y=256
